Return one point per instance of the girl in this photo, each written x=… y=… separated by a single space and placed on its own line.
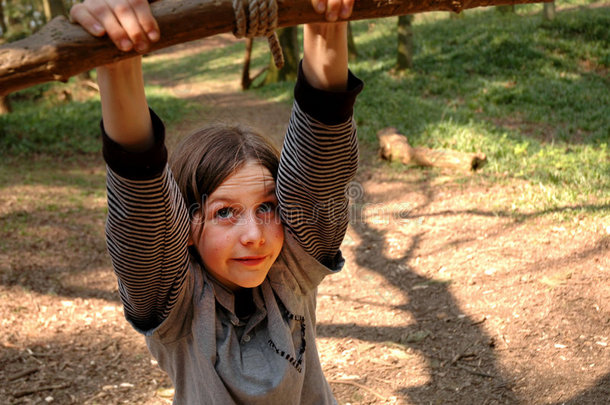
x=219 y=254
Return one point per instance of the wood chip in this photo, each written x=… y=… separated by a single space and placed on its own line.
x=34 y=390
x=355 y=384
x=24 y=373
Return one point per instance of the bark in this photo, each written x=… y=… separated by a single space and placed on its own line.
x=404 y=59
x=246 y=81
x=289 y=40
x=61 y=49
x=549 y=11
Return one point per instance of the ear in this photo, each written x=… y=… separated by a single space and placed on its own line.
x=196 y=227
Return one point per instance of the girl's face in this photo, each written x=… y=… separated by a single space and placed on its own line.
x=242 y=234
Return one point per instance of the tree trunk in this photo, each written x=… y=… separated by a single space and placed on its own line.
x=289 y=40
x=3 y=26
x=549 y=11
x=5 y=105
x=506 y=9
x=404 y=58
x=10 y=19
x=53 y=8
x=352 y=52
x=61 y=50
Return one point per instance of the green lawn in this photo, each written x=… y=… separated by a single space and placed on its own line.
x=533 y=95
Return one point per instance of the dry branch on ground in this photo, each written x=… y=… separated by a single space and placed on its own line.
x=395 y=147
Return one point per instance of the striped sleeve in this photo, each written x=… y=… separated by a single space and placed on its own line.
x=319 y=159
x=147 y=234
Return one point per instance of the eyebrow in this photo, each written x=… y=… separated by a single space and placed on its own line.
x=270 y=192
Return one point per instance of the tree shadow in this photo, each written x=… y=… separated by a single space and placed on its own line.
x=52 y=234
x=79 y=365
x=593 y=395
x=461 y=357
x=450 y=333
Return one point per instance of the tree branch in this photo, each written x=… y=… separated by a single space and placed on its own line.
x=62 y=49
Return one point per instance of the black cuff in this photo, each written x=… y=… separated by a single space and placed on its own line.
x=143 y=165
x=328 y=107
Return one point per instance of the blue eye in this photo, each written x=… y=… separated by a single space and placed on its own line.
x=266 y=208
x=224 y=213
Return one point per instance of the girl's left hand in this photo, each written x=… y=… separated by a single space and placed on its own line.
x=334 y=9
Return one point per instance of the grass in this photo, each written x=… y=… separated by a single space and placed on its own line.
x=534 y=96
x=46 y=122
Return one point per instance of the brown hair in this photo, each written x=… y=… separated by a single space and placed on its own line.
x=204 y=159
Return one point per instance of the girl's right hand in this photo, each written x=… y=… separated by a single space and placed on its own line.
x=129 y=23
x=334 y=10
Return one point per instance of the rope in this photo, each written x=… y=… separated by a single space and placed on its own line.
x=259 y=20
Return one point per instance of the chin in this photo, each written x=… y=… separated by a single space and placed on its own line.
x=252 y=283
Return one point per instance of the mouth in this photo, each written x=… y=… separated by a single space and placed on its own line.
x=250 y=260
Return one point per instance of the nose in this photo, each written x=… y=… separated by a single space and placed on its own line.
x=252 y=232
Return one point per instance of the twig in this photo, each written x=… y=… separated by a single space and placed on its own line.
x=355 y=384
x=474 y=372
x=384 y=381
x=116 y=358
x=93 y=398
x=30 y=391
x=90 y=84
x=24 y=373
x=457 y=357
x=479 y=321
x=34 y=354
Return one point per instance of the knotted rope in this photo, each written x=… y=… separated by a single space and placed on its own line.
x=257 y=20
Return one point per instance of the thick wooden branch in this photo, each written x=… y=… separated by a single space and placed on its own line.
x=61 y=49
x=395 y=147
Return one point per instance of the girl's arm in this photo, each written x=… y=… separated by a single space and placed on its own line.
x=147 y=225
x=325 y=46
x=320 y=153
x=129 y=24
x=325 y=55
x=125 y=111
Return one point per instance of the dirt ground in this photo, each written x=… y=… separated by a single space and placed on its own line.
x=448 y=297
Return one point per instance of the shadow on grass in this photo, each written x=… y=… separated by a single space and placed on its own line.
x=513 y=72
x=532 y=96
x=214 y=63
